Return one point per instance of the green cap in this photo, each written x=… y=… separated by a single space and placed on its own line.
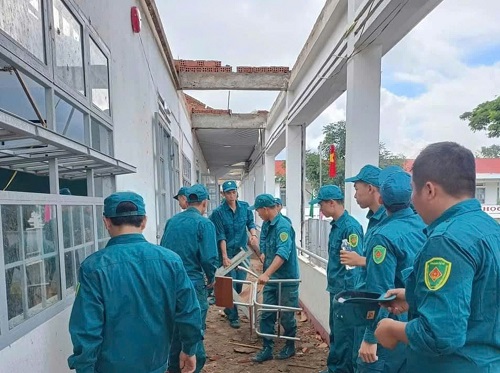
x=386 y=171
x=263 y=200
x=181 y=192
x=229 y=185
x=197 y=193
x=328 y=193
x=278 y=201
x=396 y=189
x=368 y=174
x=65 y=191
x=359 y=308
x=112 y=202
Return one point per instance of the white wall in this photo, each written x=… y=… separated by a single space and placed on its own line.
x=491 y=197
x=44 y=350
x=313 y=294
x=137 y=73
x=134 y=86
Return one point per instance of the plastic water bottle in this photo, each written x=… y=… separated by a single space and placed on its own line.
x=346 y=246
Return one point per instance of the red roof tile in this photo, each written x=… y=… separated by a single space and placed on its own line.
x=483 y=165
x=279 y=168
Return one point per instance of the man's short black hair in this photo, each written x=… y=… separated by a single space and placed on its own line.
x=134 y=220
x=395 y=208
x=449 y=165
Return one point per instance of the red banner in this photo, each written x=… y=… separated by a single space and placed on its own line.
x=333 y=166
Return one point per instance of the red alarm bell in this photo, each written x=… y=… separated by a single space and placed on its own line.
x=135 y=15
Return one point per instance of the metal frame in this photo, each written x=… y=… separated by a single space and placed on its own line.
x=8 y=336
x=75 y=159
x=255 y=308
x=41 y=144
x=162 y=158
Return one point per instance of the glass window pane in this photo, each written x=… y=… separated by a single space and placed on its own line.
x=102 y=138
x=77 y=225
x=67 y=228
x=69 y=51
x=50 y=240
x=88 y=220
x=52 y=280
x=69 y=269
x=79 y=258
x=99 y=77
x=15 y=292
x=11 y=234
x=23 y=21
x=69 y=121
x=34 y=283
x=100 y=223
x=13 y=98
x=33 y=226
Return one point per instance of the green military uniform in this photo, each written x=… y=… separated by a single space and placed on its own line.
x=369 y=174
x=231 y=226
x=182 y=192
x=391 y=249
x=130 y=297
x=192 y=237
x=340 y=357
x=454 y=295
x=279 y=241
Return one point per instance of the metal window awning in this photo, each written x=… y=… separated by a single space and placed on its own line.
x=28 y=147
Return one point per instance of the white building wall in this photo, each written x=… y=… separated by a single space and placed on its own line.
x=44 y=350
x=313 y=294
x=491 y=189
x=137 y=73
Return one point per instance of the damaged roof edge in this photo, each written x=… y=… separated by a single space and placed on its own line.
x=154 y=19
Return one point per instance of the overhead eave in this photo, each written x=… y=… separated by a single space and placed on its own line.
x=28 y=147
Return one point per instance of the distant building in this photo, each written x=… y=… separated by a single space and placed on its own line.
x=487 y=184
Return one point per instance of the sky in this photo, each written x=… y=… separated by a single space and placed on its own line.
x=446 y=65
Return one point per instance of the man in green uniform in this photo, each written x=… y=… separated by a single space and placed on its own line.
x=453 y=291
x=130 y=297
x=390 y=249
x=232 y=219
x=192 y=237
x=181 y=198
x=367 y=195
x=344 y=227
x=280 y=262
x=279 y=206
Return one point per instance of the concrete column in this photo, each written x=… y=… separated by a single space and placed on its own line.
x=259 y=186
x=250 y=188
x=363 y=111
x=363 y=118
x=295 y=145
x=270 y=173
x=54 y=176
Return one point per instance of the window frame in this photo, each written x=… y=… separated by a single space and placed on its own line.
x=187 y=169
x=43 y=73
x=483 y=188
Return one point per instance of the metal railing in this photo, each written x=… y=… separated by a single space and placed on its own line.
x=316 y=234
x=255 y=307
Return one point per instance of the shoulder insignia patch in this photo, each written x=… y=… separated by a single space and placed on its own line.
x=283 y=236
x=437 y=271
x=353 y=240
x=379 y=254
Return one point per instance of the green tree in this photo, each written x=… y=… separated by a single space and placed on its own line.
x=492 y=151
x=335 y=133
x=485 y=117
x=388 y=158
